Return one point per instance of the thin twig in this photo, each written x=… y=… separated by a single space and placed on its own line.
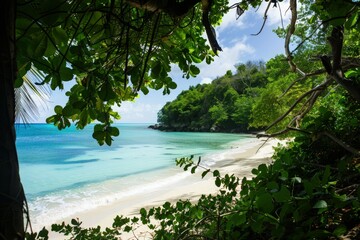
x=320 y=87
x=317 y=72
x=347 y=188
x=265 y=18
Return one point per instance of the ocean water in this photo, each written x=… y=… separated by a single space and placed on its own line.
x=64 y=172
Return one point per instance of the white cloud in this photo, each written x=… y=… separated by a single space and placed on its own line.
x=226 y=60
x=138 y=112
x=206 y=80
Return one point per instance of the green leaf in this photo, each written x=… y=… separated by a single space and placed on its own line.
x=195 y=59
x=44 y=233
x=172 y=85
x=283 y=195
x=99 y=136
x=108 y=139
x=204 y=173
x=51 y=119
x=273 y=186
x=18 y=82
x=326 y=175
x=199 y=214
x=216 y=173
x=238 y=219
x=143 y=212
x=352 y=73
x=264 y=202
x=58 y=109
x=40 y=47
x=99 y=128
x=75 y=222
x=114 y=131
x=194 y=70
x=145 y=90
x=320 y=204
x=106 y=92
x=60 y=36
x=308 y=188
x=66 y=74
x=127 y=229
x=156 y=70
x=181 y=34
x=350 y=22
x=218 y=182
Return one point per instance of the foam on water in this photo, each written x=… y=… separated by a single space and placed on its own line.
x=56 y=206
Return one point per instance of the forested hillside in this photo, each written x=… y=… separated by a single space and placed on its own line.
x=224 y=105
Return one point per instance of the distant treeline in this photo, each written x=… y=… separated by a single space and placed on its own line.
x=224 y=105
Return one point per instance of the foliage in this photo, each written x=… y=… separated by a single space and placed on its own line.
x=223 y=105
x=109 y=50
x=311 y=189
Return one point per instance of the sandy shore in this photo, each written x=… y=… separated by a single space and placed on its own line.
x=239 y=160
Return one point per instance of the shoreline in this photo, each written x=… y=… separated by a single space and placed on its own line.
x=238 y=159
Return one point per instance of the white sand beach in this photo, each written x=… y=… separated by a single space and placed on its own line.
x=239 y=160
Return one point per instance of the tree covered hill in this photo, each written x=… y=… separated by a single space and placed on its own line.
x=225 y=105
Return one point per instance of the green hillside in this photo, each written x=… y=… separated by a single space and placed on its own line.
x=225 y=105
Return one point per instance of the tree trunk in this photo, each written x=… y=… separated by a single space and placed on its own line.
x=11 y=192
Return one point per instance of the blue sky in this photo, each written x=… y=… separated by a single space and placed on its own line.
x=238 y=45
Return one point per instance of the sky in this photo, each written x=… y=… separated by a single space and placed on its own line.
x=239 y=46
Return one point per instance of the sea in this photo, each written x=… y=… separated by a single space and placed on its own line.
x=65 y=172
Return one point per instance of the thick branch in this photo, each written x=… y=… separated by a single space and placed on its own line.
x=210 y=32
x=289 y=33
x=336 y=42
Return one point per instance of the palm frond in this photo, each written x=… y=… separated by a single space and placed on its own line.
x=30 y=98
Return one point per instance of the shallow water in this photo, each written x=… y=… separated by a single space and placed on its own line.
x=66 y=171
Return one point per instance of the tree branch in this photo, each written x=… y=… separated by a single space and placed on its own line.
x=317 y=72
x=336 y=42
x=210 y=32
x=320 y=87
x=265 y=18
x=289 y=33
x=340 y=142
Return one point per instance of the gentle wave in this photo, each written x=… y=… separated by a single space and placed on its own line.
x=54 y=207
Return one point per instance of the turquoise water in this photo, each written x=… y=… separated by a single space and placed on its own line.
x=66 y=170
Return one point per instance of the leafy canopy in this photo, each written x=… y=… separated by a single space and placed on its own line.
x=110 y=50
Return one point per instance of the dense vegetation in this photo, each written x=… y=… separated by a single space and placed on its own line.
x=310 y=191
x=224 y=105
